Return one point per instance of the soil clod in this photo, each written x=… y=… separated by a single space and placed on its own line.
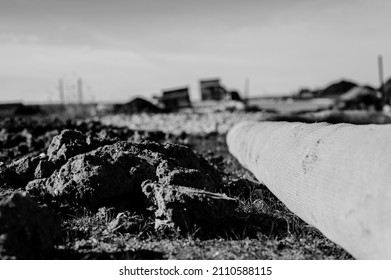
x=189 y=210
x=27 y=230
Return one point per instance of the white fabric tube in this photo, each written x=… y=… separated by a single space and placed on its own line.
x=335 y=177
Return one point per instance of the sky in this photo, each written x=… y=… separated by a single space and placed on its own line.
x=128 y=48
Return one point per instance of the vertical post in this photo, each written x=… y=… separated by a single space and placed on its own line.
x=385 y=99
x=246 y=92
x=80 y=90
x=61 y=91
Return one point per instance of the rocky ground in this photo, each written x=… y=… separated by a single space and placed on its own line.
x=160 y=186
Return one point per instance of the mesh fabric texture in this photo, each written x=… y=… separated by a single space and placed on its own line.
x=335 y=177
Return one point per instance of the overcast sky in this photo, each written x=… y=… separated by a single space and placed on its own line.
x=127 y=48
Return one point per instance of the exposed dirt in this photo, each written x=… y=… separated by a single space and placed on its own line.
x=140 y=194
x=27 y=231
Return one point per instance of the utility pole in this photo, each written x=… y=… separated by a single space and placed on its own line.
x=385 y=99
x=246 y=91
x=80 y=90
x=61 y=91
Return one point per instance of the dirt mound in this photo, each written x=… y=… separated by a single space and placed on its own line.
x=27 y=231
x=112 y=175
x=181 y=186
x=73 y=172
